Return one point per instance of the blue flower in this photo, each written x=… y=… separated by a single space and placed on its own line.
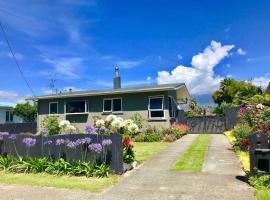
x=48 y=142
x=12 y=137
x=29 y=142
x=72 y=145
x=96 y=147
x=43 y=132
x=91 y=130
x=60 y=141
x=106 y=142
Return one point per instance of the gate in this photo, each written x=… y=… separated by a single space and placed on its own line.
x=207 y=124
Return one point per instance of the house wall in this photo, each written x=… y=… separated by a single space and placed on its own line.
x=16 y=119
x=131 y=103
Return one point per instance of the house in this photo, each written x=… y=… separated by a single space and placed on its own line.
x=159 y=104
x=6 y=115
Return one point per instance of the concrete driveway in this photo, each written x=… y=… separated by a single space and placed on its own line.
x=153 y=180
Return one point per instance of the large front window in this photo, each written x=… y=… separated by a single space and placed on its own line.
x=9 y=116
x=156 y=108
x=53 y=108
x=112 y=105
x=77 y=107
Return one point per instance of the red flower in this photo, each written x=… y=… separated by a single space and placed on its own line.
x=245 y=143
x=127 y=142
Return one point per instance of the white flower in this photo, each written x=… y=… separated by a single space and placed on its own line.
x=70 y=129
x=100 y=123
x=110 y=118
x=260 y=106
x=64 y=123
x=120 y=119
x=126 y=123
x=116 y=124
x=133 y=128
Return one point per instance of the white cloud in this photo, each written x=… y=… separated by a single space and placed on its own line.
x=241 y=52
x=128 y=64
x=11 y=97
x=17 y=55
x=179 y=56
x=200 y=77
x=262 y=81
x=65 y=66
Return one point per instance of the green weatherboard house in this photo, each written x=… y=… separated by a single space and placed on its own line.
x=159 y=105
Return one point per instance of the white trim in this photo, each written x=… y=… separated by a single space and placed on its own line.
x=162 y=109
x=50 y=107
x=112 y=111
x=77 y=113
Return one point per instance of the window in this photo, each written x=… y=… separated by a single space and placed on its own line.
x=172 y=107
x=112 y=105
x=156 y=107
x=53 y=108
x=9 y=116
x=77 y=107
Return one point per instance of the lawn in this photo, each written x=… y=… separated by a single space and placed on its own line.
x=80 y=183
x=193 y=158
x=145 y=150
x=263 y=194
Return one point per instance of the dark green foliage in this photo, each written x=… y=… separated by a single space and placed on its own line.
x=147 y=138
x=192 y=113
x=241 y=132
x=219 y=110
x=51 y=124
x=26 y=111
x=267 y=91
x=192 y=104
x=232 y=91
x=60 y=167
x=128 y=155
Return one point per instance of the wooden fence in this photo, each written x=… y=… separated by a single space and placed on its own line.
x=17 y=128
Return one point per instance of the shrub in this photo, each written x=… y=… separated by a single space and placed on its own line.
x=152 y=130
x=260 y=182
x=128 y=153
x=169 y=138
x=241 y=132
x=192 y=113
x=220 y=109
x=137 y=118
x=147 y=138
x=51 y=124
x=182 y=128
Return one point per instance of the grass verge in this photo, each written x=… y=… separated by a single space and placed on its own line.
x=193 y=158
x=263 y=194
x=79 y=183
x=145 y=150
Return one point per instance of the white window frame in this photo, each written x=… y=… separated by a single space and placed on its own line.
x=86 y=102
x=150 y=110
x=50 y=107
x=111 y=111
x=9 y=116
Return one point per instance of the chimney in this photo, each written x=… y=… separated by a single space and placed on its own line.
x=116 y=79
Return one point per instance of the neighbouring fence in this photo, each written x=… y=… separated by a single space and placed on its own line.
x=211 y=124
x=113 y=152
x=17 y=128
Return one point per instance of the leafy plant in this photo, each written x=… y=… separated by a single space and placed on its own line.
x=102 y=170
x=147 y=138
x=169 y=138
x=128 y=153
x=138 y=119
x=26 y=111
x=6 y=162
x=260 y=181
x=51 y=124
x=241 y=132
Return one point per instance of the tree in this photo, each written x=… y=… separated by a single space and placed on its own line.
x=232 y=91
x=192 y=104
x=267 y=91
x=26 y=111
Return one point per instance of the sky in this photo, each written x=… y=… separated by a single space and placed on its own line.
x=78 y=43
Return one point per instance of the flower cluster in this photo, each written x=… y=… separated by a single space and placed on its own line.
x=95 y=147
x=29 y=142
x=2 y=134
x=106 y=142
x=182 y=128
x=48 y=142
x=67 y=127
x=91 y=130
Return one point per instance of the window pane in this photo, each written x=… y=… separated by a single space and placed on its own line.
x=11 y=117
x=157 y=114
x=53 y=108
x=7 y=116
x=156 y=103
x=117 y=105
x=107 y=105
x=75 y=107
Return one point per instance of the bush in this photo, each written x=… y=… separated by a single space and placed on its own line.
x=147 y=138
x=51 y=124
x=137 y=118
x=220 y=109
x=182 y=128
x=128 y=153
x=241 y=133
x=260 y=182
x=152 y=130
x=169 y=138
x=190 y=114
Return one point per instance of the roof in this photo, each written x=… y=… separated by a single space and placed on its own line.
x=163 y=87
x=6 y=106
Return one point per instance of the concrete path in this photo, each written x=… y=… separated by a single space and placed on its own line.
x=153 y=180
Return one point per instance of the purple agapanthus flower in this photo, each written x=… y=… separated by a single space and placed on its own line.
x=74 y=132
x=91 y=130
x=2 y=134
x=88 y=140
x=29 y=142
x=72 y=145
x=43 y=132
x=106 y=142
x=12 y=137
x=80 y=141
x=48 y=142
x=60 y=141
x=96 y=147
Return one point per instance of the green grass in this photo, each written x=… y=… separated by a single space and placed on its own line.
x=193 y=158
x=263 y=194
x=145 y=150
x=79 y=183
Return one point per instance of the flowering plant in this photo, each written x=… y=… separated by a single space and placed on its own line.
x=128 y=153
x=182 y=128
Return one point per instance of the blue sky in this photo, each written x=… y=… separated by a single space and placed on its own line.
x=78 y=43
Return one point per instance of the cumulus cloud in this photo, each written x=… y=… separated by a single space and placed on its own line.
x=10 y=97
x=262 y=81
x=241 y=52
x=199 y=77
